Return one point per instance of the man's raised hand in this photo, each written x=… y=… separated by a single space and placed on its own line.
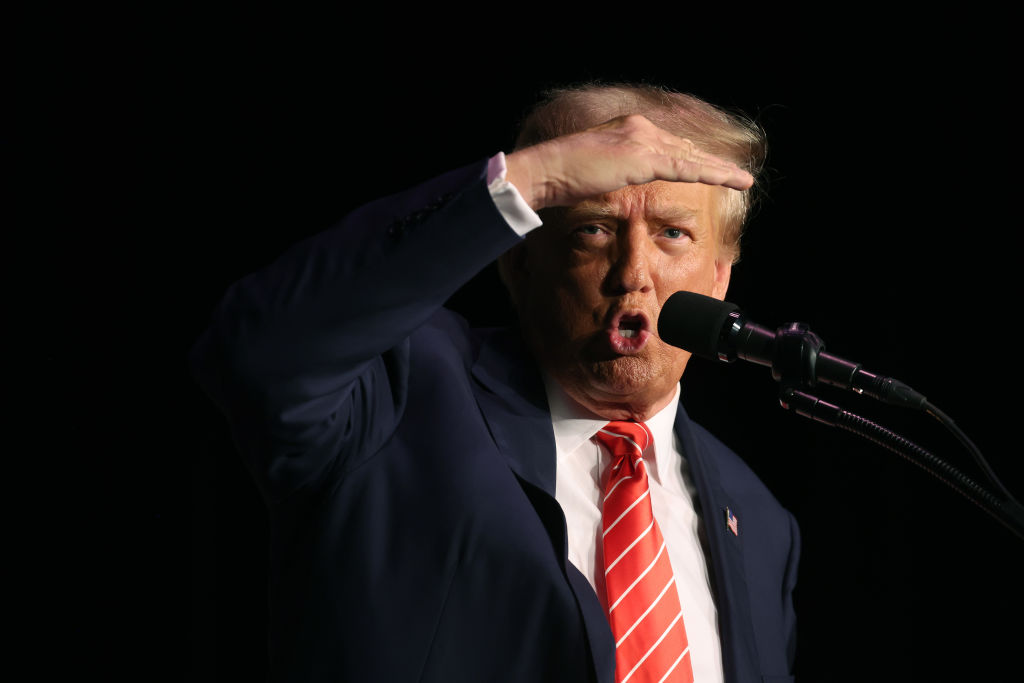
x=629 y=150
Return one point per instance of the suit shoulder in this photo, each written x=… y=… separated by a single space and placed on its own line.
x=446 y=332
x=448 y=335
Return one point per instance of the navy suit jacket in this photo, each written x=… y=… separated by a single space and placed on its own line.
x=408 y=464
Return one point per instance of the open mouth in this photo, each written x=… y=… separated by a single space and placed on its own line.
x=630 y=326
x=629 y=332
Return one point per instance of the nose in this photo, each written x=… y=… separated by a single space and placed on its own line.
x=630 y=269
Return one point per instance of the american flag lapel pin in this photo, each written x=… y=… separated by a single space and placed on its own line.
x=732 y=522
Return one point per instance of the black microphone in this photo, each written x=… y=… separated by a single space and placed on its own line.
x=715 y=329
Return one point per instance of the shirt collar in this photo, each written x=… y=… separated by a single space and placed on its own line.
x=574 y=425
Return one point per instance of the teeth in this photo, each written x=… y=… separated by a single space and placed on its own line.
x=627 y=333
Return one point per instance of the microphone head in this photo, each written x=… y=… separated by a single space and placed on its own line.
x=695 y=322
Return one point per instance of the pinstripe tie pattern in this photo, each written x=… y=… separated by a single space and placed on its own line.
x=643 y=600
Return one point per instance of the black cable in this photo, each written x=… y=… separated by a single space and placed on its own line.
x=1007 y=512
x=948 y=423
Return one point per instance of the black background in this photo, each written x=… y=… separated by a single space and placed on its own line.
x=171 y=151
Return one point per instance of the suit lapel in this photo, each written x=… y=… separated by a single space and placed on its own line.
x=511 y=396
x=739 y=654
x=510 y=393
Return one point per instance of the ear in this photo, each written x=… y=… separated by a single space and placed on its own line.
x=723 y=271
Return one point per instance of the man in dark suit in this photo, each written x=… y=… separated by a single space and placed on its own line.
x=440 y=497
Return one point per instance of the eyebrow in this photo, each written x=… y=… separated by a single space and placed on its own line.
x=592 y=209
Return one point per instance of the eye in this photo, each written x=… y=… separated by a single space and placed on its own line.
x=675 y=233
x=590 y=234
x=590 y=237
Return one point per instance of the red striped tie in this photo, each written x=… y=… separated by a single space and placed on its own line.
x=643 y=600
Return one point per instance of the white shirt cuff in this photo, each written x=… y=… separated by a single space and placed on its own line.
x=509 y=202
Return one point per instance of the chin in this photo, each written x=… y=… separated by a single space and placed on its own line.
x=624 y=376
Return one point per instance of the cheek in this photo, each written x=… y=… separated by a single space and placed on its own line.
x=693 y=274
x=573 y=306
x=670 y=361
x=584 y=280
x=559 y=307
x=569 y=309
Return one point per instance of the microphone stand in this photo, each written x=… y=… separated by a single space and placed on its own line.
x=1006 y=511
x=797 y=351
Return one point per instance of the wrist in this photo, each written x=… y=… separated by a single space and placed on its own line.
x=525 y=170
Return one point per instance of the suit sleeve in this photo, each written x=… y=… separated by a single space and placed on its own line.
x=309 y=358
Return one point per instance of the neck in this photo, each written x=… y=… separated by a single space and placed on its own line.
x=614 y=408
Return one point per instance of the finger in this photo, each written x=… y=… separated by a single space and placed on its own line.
x=711 y=171
x=729 y=176
x=695 y=165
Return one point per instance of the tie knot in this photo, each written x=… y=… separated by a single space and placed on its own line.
x=625 y=438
